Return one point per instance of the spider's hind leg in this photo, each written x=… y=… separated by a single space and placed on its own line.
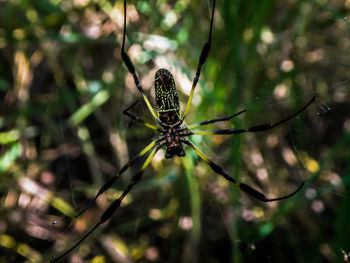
x=256 y=128
x=137 y=118
x=131 y=69
x=206 y=122
x=202 y=58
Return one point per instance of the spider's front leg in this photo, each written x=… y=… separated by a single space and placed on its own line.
x=116 y=203
x=244 y=187
x=112 y=180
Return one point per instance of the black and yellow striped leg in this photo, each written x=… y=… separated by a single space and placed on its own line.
x=202 y=123
x=138 y=119
x=244 y=187
x=116 y=203
x=257 y=128
x=131 y=69
x=203 y=57
x=111 y=181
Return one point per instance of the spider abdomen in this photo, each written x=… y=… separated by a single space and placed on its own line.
x=167 y=100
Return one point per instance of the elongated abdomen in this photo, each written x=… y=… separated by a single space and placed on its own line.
x=167 y=100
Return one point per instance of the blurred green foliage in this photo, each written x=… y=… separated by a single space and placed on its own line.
x=63 y=88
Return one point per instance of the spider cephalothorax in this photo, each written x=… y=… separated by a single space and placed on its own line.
x=173 y=143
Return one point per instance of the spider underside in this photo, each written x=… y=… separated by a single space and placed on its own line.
x=173 y=134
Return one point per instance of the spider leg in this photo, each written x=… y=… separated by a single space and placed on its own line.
x=202 y=123
x=131 y=69
x=138 y=119
x=111 y=180
x=257 y=128
x=116 y=203
x=244 y=187
x=203 y=57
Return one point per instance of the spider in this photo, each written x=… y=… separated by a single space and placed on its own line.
x=173 y=133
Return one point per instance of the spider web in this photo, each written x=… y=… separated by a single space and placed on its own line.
x=315 y=190
x=66 y=105
x=303 y=162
